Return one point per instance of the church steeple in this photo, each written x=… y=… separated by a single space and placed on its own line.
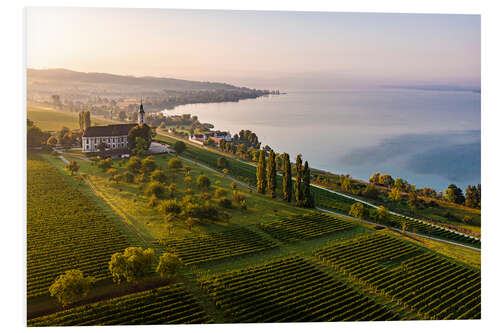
x=140 y=119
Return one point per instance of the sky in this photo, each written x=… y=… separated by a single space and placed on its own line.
x=316 y=50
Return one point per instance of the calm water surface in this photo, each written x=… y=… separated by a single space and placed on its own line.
x=430 y=138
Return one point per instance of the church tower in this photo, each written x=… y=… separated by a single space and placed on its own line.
x=140 y=116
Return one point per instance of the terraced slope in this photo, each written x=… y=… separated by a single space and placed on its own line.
x=289 y=290
x=430 y=285
x=166 y=305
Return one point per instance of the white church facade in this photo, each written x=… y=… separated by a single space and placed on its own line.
x=114 y=136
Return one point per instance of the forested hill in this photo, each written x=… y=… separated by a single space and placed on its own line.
x=56 y=78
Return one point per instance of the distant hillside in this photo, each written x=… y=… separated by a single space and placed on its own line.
x=67 y=79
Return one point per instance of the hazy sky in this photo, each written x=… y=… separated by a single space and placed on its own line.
x=259 y=49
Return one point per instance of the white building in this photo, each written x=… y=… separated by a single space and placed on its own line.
x=114 y=136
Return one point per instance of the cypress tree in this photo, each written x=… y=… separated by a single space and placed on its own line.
x=86 y=120
x=298 y=181
x=287 y=178
x=261 y=173
x=307 y=195
x=271 y=174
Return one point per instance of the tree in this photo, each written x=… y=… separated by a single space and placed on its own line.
x=287 y=178
x=346 y=184
x=370 y=192
x=105 y=164
x=381 y=214
x=122 y=115
x=357 y=210
x=175 y=163
x=261 y=173
x=171 y=190
x=394 y=194
x=168 y=207
x=220 y=192
x=413 y=200
x=140 y=131
x=141 y=147
x=35 y=136
x=159 y=176
x=52 y=141
x=271 y=174
x=71 y=287
x=179 y=147
x=102 y=146
x=131 y=265
x=203 y=182
x=169 y=265
x=134 y=165
x=454 y=194
x=73 y=167
x=222 y=163
x=299 y=199
x=386 y=180
x=473 y=196
x=155 y=189
x=374 y=178
x=148 y=165
x=308 y=195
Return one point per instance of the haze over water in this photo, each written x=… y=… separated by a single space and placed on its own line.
x=430 y=138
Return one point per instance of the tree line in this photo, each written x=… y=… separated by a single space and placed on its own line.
x=267 y=178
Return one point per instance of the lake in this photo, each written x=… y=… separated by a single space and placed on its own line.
x=430 y=138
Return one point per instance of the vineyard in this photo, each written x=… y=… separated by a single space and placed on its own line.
x=166 y=305
x=290 y=290
x=430 y=285
x=306 y=226
x=216 y=245
x=335 y=202
x=65 y=230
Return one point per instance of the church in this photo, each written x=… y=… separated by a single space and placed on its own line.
x=114 y=136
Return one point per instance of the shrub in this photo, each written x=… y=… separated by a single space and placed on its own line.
x=203 y=182
x=159 y=176
x=189 y=191
x=226 y=203
x=155 y=189
x=170 y=207
x=188 y=180
x=175 y=163
x=220 y=192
